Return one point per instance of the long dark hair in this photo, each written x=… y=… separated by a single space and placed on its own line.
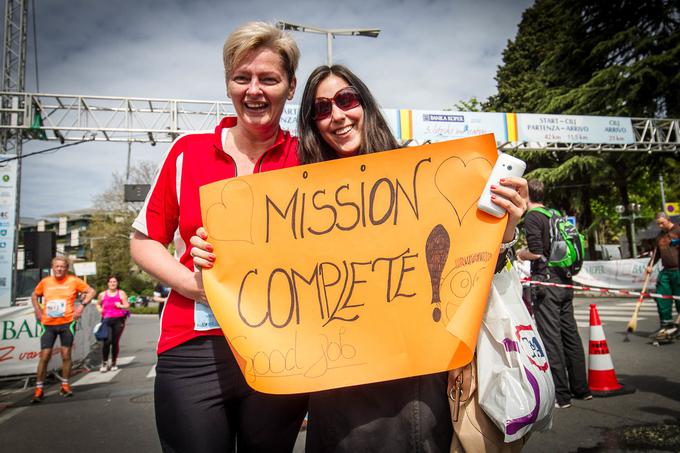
x=375 y=136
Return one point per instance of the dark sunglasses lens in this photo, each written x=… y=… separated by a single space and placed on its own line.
x=322 y=108
x=347 y=99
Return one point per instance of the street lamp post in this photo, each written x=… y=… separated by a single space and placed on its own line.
x=330 y=34
x=634 y=210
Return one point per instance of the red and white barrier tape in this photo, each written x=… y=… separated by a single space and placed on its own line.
x=622 y=292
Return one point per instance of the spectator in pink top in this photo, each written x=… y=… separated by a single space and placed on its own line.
x=113 y=304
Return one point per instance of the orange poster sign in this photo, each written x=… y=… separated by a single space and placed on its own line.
x=356 y=270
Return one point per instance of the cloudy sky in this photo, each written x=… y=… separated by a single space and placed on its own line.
x=430 y=54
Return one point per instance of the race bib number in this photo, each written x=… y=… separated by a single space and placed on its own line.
x=55 y=308
x=204 y=319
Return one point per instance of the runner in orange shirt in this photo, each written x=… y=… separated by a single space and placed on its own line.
x=58 y=314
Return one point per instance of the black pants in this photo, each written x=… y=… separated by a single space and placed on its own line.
x=112 y=343
x=203 y=404
x=405 y=415
x=554 y=313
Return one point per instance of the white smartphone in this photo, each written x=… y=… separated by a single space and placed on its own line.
x=506 y=165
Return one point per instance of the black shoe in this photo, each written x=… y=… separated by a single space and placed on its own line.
x=584 y=397
x=563 y=405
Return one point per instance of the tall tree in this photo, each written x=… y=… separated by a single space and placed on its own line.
x=109 y=231
x=589 y=57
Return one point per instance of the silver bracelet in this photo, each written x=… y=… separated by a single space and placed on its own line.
x=508 y=245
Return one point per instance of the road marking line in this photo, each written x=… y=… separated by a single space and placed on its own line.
x=125 y=360
x=607 y=318
x=11 y=412
x=617 y=312
x=620 y=307
x=152 y=372
x=95 y=377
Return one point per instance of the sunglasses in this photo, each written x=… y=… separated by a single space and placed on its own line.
x=346 y=99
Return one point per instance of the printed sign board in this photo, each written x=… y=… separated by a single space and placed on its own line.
x=8 y=197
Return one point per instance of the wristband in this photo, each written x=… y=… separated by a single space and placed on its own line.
x=508 y=245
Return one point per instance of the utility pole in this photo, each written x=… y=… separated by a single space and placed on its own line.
x=330 y=34
x=663 y=194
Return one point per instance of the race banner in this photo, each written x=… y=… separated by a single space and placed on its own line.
x=537 y=127
x=440 y=125
x=20 y=340
x=357 y=270
x=617 y=274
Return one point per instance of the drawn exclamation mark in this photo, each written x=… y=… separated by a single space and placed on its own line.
x=436 y=251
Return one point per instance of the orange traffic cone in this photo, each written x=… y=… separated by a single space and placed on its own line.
x=601 y=375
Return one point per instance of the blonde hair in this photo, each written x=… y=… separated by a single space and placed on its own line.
x=254 y=35
x=63 y=259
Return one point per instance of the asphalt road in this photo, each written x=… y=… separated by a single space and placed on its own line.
x=113 y=412
x=109 y=412
x=647 y=420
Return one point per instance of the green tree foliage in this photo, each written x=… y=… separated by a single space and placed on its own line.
x=109 y=233
x=588 y=57
x=471 y=105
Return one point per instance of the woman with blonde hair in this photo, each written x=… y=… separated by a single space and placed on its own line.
x=202 y=401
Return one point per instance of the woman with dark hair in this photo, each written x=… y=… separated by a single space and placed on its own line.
x=375 y=135
x=113 y=305
x=340 y=118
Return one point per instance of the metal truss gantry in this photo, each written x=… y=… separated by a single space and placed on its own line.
x=13 y=71
x=13 y=80
x=69 y=118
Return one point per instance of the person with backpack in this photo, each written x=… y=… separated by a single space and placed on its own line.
x=555 y=250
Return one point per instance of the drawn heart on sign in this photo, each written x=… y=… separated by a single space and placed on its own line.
x=462 y=190
x=232 y=219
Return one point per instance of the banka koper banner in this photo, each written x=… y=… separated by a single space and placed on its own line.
x=357 y=270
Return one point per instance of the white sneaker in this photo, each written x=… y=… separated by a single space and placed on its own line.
x=104 y=368
x=114 y=368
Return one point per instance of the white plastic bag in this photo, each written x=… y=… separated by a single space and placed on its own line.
x=516 y=388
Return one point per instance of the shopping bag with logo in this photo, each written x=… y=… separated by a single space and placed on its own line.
x=515 y=385
x=101 y=330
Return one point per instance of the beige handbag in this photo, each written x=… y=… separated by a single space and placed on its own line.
x=473 y=431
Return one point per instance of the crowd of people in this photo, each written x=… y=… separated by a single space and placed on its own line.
x=202 y=401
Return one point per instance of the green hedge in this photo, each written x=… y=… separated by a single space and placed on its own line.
x=144 y=310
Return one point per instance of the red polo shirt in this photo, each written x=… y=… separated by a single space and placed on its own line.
x=172 y=210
